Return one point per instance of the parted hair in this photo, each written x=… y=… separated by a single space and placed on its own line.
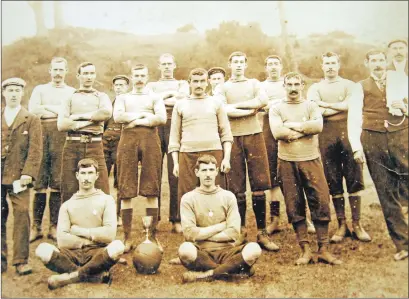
x=293 y=75
x=272 y=57
x=205 y=159
x=87 y=162
x=59 y=59
x=198 y=72
x=374 y=52
x=139 y=66
x=237 y=53
x=330 y=54
x=83 y=64
x=166 y=55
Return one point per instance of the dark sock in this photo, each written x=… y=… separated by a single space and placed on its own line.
x=203 y=262
x=259 y=208
x=99 y=263
x=321 y=228
x=339 y=206
x=274 y=209
x=301 y=231
x=127 y=222
x=55 y=204
x=235 y=264
x=38 y=208
x=118 y=207
x=242 y=205
x=154 y=213
x=355 y=203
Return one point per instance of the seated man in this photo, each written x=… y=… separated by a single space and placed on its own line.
x=211 y=227
x=86 y=224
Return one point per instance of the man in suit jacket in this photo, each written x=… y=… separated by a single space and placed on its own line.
x=398 y=50
x=21 y=155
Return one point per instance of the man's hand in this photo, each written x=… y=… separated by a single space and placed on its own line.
x=294 y=136
x=74 y=117
x=359 y=156
x=25 y=180
x=132 y=124
x=176 y=170
x=399 y=105
x=323 y=104
x=225 y=166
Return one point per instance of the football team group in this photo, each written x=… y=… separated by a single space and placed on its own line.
x=295 y=147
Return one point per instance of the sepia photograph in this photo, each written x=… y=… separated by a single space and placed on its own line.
x=204 y=149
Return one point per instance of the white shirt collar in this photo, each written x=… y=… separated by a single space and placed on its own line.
x=399 y=66
x=10 y=114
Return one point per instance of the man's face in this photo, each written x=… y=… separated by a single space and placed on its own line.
x=120 y=86
x=238 y=65
x=330 y=66
x=140 y=77
x=198 y=84
x=87 y=76
x=376 y=64
x=293 y=87
x=87 y=177
x=166 y=67
x=13 y=95
x=398 y=51
x=207 y=174
x=58 y=70
x=274 y=67
x=215 y=79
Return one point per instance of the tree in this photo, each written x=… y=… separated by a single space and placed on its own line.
x=59 y=22
x=37 y=7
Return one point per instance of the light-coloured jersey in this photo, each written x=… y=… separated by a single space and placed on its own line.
x=96 y=212
x=275 y=91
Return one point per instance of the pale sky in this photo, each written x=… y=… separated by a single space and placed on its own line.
x=371 y=21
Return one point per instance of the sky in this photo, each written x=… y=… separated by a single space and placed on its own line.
x=370 y=21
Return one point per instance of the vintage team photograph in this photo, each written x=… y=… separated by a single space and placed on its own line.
x=204 y=149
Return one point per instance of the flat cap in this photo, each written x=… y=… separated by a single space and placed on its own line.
x=215 y=70
x=13 y=81
x=398 y=41
x=122 y=77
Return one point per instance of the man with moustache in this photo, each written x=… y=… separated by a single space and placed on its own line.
x=170 y=90
x=296 y=123
x=382 y=137
x=140 y=112
x=274 y=87
x=333 y=94
x=398 y=50
x=217 y=75
x=243 y=97
x=45 y=102
x=112 y=134
x=21 y=154
x=82 y=115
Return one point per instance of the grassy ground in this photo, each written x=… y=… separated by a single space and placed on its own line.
x=368 y=270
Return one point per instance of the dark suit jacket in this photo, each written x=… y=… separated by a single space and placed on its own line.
x=391 y=67
x=25 y=152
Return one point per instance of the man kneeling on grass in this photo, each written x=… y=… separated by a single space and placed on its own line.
x=211 y=227
x=86 y=224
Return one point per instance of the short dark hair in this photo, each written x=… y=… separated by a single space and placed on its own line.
x=272 y=57
x=397 y=41
x=237 y=53
x=83 y=64
x=59 y=59
x=139 y=66
x=205 y=159
x=87 y=162
x=330 y=54
x=215 y=70
x=293 y=75
x=374 y=52
x=197 y=71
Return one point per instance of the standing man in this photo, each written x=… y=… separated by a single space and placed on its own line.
x=398 y=51
x=112 y=134
x=21 y=155
x=45 y=102
x=243 y=97
x=211 y=226
x=217 y=75
x=296 y=123
x=141 y=112
x=274 y=87
x=333 y=94
x=82 y=116
x=87 y=248
x=170 y=90
x=384 y=143
x=188 y=140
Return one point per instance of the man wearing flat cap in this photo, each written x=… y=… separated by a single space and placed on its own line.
x=217 y=75
x=21 y=155
x=112 y=134
x=398 y=51
x=45 y=102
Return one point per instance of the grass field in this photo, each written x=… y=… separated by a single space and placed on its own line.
x=368 y=270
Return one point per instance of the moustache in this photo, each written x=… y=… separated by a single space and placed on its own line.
x=378 y=68
x=294 y=92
